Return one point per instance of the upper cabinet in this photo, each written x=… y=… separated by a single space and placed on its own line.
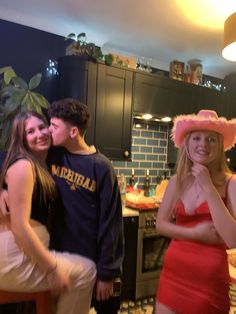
x=114 y=111
x=78 y=79
x=111 y=92
x=212 y=99
x=163 y=96
x=108 y=93
x=230 y=82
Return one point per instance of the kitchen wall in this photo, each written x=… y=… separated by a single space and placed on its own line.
x=149 y=151
x=28 y=51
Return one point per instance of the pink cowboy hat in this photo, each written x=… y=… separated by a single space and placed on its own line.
x=205 y=120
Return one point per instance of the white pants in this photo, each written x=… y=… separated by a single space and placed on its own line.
x=19 y=273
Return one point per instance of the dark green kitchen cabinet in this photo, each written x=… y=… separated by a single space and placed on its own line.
x=78 y=79
x=114 y=111
x=230 y=83
x=212 y=99
x=107 y=91
x=162 y=96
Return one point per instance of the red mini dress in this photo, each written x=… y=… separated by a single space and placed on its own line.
x=195 y=277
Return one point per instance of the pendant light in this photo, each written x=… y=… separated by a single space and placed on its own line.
x=229 y=50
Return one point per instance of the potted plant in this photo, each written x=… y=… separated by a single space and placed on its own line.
x=16 y=95
x=80 y=47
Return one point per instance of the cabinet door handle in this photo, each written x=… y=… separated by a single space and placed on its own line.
x=126 y=153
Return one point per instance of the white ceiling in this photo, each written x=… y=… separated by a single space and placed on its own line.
x=157 y=29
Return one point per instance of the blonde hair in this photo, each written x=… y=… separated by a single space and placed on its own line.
x=18 y=149
x=184 y=165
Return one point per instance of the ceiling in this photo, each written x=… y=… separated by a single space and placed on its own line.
x=163 y=30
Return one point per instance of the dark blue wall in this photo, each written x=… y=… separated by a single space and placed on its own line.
x=28 y=50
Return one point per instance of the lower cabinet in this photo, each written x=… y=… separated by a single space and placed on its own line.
x=130 y=259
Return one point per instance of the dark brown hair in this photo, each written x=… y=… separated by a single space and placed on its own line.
x=71 y=111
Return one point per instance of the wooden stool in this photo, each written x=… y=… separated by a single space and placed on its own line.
x=42 y=299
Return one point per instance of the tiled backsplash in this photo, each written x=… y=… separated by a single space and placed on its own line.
x=149 y=151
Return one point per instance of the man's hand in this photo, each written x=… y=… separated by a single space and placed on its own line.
x=104 y=290
x=4 y=211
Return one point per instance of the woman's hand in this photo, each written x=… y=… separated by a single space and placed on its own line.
x=206 y=233
x=58 y=280
x=202 y=176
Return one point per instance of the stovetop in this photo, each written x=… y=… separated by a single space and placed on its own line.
x=147 y=219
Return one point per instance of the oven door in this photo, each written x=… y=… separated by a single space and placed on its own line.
x=150 y=253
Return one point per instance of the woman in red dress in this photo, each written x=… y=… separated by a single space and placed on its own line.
x=198 y=212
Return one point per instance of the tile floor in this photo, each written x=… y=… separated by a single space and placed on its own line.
x=144 y=306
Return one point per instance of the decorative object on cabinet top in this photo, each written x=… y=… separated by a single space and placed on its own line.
x=176 y=70
x=80 y=46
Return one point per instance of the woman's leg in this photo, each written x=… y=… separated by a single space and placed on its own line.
x=83 y=274
x=19 y=273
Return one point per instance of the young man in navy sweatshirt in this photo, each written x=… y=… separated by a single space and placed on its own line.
x=87 y=219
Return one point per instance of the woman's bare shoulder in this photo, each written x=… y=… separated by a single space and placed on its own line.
x=173 y=180
x=20 y=169
x=20 y=163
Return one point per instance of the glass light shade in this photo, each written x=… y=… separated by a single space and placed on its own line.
x=166 y=119
x=147 y=116
x=229 y=50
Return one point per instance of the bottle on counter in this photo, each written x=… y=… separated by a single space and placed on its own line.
x=147 y=184
x=131 y=180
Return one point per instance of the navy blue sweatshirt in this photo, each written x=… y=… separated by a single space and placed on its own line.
x=87 y=219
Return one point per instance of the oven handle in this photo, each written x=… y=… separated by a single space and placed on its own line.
x=150 y=234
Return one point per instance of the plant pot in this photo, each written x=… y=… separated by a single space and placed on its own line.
x=75 y=49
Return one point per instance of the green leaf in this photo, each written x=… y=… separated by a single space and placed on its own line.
x=40 y=100
x=8 y=75
x=19 y=82
x=12 y=105
x=17 y=98
x=39 y=110
x=35 y=81
x=4 y=69
x=25 y=104
x=81 y=35
x=5 y=132
x=8 y=90
x=70 y=36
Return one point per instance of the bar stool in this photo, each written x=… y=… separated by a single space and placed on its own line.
x=42 y=299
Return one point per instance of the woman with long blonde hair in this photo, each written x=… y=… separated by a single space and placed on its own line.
x=198 y=213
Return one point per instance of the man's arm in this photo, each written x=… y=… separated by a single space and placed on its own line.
x=110 y=235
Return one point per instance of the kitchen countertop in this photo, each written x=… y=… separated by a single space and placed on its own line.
x=129 y=212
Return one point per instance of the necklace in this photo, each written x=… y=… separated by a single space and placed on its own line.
x=197 y=189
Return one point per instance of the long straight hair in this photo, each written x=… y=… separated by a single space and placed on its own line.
x=18 y=149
